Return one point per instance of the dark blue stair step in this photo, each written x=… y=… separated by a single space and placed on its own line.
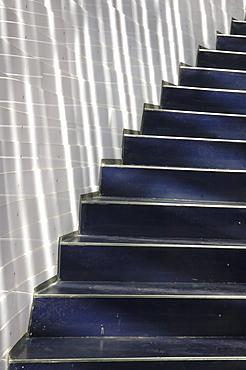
x=173 y=183
x=231 y=43
x=193 y=124
x=151 y=260
x=203 y=99
x=155 y=353
x=238 y=28
x=212 y=78
x=184 y=152
x=221 y=59
x=156 y=218
x=137 y=309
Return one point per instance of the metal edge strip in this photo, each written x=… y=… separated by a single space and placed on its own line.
x=133 y=359
x=164 y=245
x=197 y=112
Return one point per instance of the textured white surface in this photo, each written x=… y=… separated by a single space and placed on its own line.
x=73 y=74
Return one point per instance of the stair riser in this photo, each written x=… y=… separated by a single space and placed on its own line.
x=231 y=43
x=173 y=184
x=215 y=59
x=129 y=365
x=184 y=153
x=203 y=100
x=193 y=125
x=73 y=317
x=238 y=28
x=216 y=79
x=152 y=264
x=162 y=221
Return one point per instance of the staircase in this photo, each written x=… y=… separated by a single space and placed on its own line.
x=155 y=278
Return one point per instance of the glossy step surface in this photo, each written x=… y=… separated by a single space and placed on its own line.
x=151 y=260
x=173 y=183
x=212 y=78
x=158 y=218
x=221 y=59
x=183 y=152
x=177 y=123
x=203 y=99
x=231 y=43
x=135 y=353
x=238 y=28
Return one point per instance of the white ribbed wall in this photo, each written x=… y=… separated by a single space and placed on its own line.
x=73 y=74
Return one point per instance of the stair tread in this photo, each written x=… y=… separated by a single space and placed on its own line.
x=122 y=348
x=169 y=289
x=102 y=240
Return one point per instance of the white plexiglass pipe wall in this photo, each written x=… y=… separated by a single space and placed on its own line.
x=73 y=74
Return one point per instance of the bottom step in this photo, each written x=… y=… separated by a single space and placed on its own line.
x=129 y=353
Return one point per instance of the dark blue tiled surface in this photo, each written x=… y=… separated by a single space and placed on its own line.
x=212 y=78
x=157 y=151
x=220 y=59
x=193 y=124
x=203 y=100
